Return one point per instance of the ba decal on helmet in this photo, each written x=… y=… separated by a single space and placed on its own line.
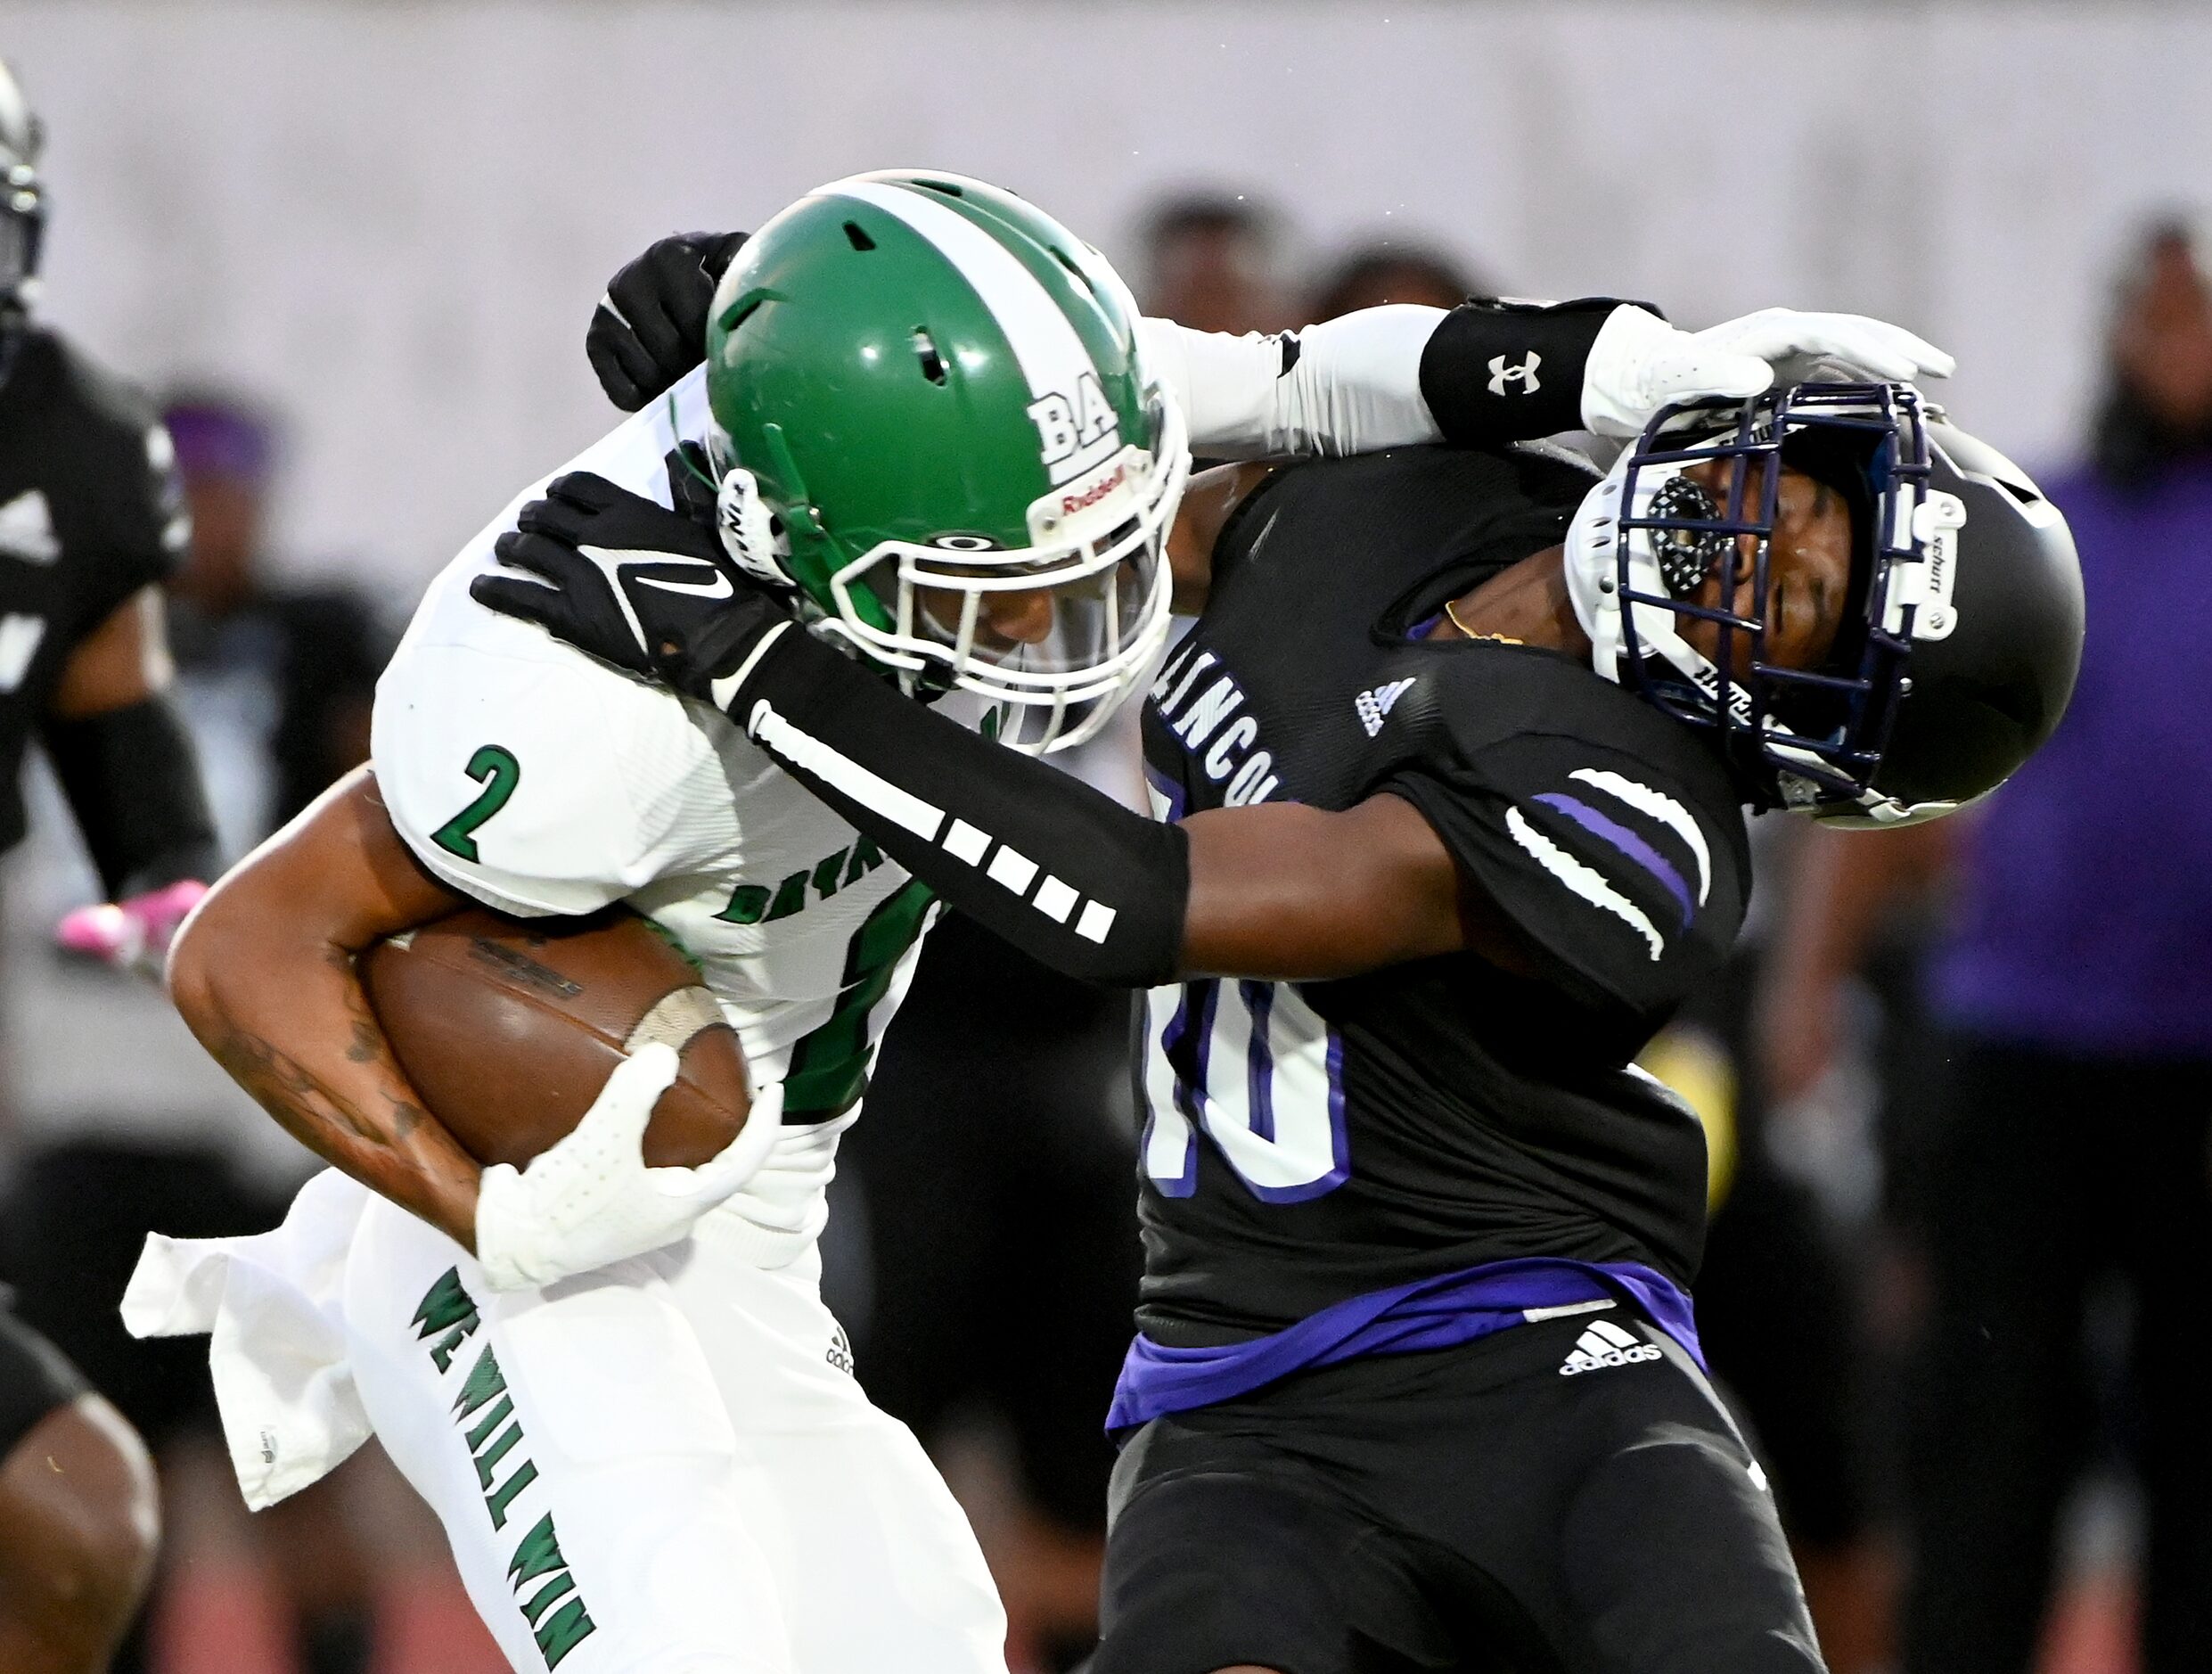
x=1962 y=632
x=926 y=393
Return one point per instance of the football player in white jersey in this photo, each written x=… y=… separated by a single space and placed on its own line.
x=618 y=1386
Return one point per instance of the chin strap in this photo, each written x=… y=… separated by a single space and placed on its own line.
x=750 y=532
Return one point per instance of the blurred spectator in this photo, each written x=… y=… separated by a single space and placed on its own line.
x=126 y=1123
x=1216 y=264
x=294 y=668
x=1390 y=272
x=2069 y=1142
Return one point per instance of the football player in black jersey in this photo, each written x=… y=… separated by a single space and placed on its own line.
x=1454 y=762
x=91 y=522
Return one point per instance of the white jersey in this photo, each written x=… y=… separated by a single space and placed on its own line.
x=527 y=776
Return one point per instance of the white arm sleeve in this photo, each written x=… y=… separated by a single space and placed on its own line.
x=1352 y=384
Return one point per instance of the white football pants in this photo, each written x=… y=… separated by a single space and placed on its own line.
x=663 y=1465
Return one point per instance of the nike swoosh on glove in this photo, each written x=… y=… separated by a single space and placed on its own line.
x=650 y=328
x=626 y=580
x=590 y=1199
x=1639 y=362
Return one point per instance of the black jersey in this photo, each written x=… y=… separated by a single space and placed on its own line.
x=1309 y=1142
x=90 y=512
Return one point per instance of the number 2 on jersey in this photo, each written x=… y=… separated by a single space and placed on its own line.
x=1255 y=1068
x=498 y=772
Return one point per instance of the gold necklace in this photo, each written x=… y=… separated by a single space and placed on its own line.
x=1452 y=616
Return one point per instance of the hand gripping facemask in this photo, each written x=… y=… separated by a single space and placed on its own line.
x=1961 y=630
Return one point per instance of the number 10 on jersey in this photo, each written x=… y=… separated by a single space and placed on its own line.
x=1260 y=1073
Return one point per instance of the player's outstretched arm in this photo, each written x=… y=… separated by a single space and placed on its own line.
x=1486 y=372
x=264 y=975
x=1061 y=870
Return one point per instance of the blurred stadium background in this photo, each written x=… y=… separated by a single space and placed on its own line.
x=375 y=229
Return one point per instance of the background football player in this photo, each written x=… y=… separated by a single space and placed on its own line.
x=1454 y=761
x=686 y=1450
x=90 y=523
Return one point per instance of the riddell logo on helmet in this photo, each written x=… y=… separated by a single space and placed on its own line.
x=1070 y=504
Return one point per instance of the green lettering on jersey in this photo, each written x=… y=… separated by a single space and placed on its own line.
x=748 y=903
x=830 y=1064
x=866 y=858
x=758 y=904
x=791 y=897
x=498 y=772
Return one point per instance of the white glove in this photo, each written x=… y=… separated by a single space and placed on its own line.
x=1640 y=363
x=590 y=1199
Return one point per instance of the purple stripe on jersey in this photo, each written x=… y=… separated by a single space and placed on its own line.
x=1200 y=1023
x=1259 y=1001
x=1185 y=1182
x=1441 y=1312
x=1638 y=850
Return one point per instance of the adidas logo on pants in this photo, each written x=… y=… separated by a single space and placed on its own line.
x=1605 y=1344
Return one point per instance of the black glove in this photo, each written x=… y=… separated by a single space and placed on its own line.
x=629 y=581
x=650 y=328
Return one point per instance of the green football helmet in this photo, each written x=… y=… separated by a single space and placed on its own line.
x=933 y=419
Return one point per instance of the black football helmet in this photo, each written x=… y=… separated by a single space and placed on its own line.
x=1963 y=631
x=22 y=200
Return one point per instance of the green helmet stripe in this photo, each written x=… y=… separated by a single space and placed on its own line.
x=1051 y=356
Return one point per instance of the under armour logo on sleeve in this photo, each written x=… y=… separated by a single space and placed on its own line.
x=1524 y=375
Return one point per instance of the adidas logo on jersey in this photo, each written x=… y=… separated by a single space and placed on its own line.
x=1605 y=1344
x=1374 y=707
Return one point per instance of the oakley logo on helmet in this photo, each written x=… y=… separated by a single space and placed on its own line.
x=1066 y=428
x=1524 y=375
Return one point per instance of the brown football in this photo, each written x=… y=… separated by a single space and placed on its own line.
x=509 y=1026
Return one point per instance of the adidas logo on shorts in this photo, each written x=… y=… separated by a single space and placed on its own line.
x=1605 y=1344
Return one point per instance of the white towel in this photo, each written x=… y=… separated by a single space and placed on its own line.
x=274 y=1307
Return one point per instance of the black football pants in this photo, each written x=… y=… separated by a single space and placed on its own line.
x=1469 y=1509
x=2042 y=1174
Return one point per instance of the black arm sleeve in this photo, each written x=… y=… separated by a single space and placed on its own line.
x=132 y=779
x=1061 y=871
x=1495 y=371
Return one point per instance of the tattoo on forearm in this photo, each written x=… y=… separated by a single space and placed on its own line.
x=367 y=1046
x=322 y=1117
x=292 y=1093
